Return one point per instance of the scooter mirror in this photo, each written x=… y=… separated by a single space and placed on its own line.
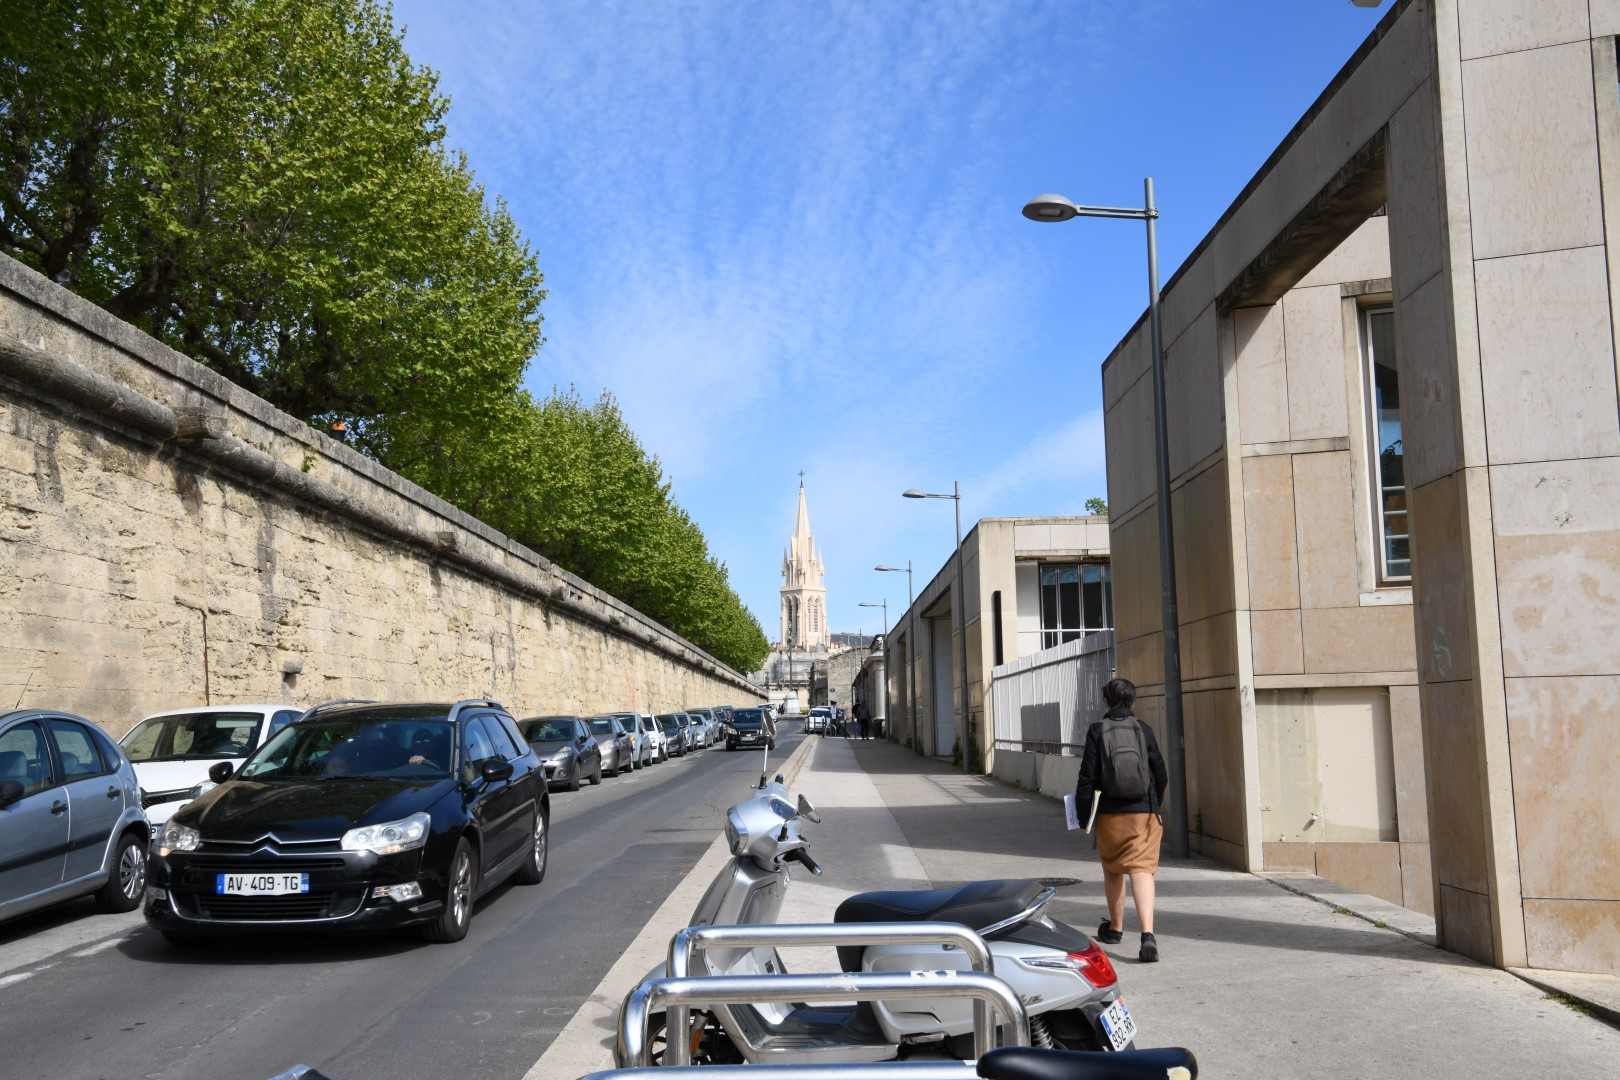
x=807 y=811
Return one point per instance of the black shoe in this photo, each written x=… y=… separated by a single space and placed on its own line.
x=1108 y=935
x=1149 y=953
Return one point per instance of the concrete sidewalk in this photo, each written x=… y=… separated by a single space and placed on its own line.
x=1257 y=980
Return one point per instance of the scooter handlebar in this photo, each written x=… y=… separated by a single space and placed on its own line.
x=802 y=856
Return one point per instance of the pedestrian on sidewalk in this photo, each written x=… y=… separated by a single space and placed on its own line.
x=863 y=717
x=1122 y=761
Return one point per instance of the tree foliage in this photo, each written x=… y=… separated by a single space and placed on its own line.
x=264 y=185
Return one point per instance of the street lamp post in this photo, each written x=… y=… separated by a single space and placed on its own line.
x=911 y=648
x=885 y=607
x=1058 y=208
x=960 y=604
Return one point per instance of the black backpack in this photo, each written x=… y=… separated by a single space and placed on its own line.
x=1124 y=763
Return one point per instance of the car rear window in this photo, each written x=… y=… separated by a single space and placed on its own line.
x=548 y=730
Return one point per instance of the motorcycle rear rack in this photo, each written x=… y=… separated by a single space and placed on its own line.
x=675 y=996
x=694 y=939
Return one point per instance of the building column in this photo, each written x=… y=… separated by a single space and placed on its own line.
x=1505 y=329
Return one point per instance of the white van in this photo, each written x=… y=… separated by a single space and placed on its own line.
x=173 y=751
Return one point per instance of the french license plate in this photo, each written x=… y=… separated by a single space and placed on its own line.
x=1117 y=1022
x=261 y=884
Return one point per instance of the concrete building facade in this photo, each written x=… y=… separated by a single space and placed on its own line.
x=1030 y=583
x=1395 y=451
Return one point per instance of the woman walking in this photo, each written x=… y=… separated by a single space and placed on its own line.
x=1122 y=761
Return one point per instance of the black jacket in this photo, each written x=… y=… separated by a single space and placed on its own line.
x=1091 y=771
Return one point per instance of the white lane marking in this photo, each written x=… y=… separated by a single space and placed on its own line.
x=98 y=947
x=12 y=980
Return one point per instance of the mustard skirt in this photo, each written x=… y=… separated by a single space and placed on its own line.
x=1129 y=843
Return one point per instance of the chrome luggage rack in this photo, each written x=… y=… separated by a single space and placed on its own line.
x=694 y=939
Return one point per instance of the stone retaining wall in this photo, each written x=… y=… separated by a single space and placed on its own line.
x=168 y=539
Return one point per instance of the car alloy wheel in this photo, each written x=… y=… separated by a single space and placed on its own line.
x=534 y=870
x=126 y=885
x=452 y=923
x=132 y=872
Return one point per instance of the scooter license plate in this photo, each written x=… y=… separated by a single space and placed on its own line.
x=1118 y=1025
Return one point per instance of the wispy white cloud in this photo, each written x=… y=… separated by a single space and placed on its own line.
x=785 y=236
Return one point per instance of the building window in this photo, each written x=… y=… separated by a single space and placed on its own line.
x=1075 y=600
x=1388 y=460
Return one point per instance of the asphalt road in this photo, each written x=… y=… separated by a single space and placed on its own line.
x=91 y=996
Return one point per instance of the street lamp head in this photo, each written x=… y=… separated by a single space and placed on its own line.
x=865 y=604
x=894 y=569
x=913 y=493
x=1050 y=208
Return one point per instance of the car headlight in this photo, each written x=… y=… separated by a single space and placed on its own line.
x=560 y=755
x=390 y=837
x=177 y=837
x=201 y=789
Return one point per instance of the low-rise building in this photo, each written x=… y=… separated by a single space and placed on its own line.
x=1029 y=584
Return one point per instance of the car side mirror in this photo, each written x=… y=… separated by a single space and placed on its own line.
x=496 y=770
x=221 y=771
x=583 y=739
x=11 y=791
x=807 y=811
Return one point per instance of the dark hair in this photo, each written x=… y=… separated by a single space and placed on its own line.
x=1119 y=692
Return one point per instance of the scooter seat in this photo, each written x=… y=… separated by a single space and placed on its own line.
x=976 y=904
x=1027 y=1063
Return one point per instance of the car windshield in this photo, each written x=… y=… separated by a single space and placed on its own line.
x=747 y=718
x=193 y=735
x=548 y=730
x=602 y=725
x=669 y=721
x=367 y=747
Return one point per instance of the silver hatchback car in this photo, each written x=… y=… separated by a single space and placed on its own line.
x=70 y=815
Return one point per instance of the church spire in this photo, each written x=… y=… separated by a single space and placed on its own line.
x=804 y=595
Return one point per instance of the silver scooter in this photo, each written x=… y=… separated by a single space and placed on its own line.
x=1067 y=984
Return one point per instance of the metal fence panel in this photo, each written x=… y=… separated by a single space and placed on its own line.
x=1045 y=701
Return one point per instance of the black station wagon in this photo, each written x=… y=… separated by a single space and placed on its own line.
x=357 y=815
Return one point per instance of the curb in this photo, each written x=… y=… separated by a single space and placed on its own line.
x=1381 y=913
x=1549 y=982
x=585 y=1044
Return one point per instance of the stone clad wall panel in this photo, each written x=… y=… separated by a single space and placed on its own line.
x=138 y=573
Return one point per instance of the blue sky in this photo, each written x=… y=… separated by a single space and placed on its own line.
x=786 y=235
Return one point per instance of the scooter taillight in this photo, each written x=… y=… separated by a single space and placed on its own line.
x=1095 y=966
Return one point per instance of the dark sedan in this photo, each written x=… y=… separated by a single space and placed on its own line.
x=565 y=749
x=749 y=727
x=357 y=816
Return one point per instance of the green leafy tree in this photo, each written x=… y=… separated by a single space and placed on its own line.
x=263 y=184
x=1096 y=507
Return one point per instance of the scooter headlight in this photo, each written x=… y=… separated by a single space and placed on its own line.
x=736 y=832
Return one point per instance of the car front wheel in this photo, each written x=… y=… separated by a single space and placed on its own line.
x=453 y=921
x=126 y=884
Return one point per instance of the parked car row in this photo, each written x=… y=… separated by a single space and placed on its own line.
x=227 y=819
